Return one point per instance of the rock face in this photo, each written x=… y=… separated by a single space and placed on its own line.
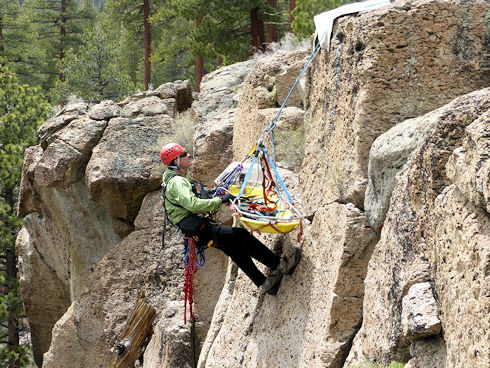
x=384 y=67
x=435 y=231
x=395 y=188
x=261 y=93
x=81 y=191
x=215 y=112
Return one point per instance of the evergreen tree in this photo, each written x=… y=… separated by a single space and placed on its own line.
x=304 y=12
x=134 y=15
x=93 y=72
x=57 y=26
x=22 y=109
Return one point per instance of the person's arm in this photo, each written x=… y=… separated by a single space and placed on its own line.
x=179 y=190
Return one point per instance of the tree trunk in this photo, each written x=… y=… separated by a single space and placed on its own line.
x=10 y=282
x=147 y=42
x=271 y=28
x=199 y=63
x=63 y=36
x=257 y=30
x=292 y=6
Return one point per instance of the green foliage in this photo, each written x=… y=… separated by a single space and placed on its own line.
x=305 y=10
x=184 y=130
x=53 y=32
x=290 y=147
x=22 y=109
x=93 y=72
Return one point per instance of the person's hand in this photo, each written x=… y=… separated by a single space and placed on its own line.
x=227 y=198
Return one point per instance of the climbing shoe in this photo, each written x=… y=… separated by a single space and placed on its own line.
x=272 y=283
x=288 y=264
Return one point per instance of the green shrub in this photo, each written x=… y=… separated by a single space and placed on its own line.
x=184 y=130
x=290 y=147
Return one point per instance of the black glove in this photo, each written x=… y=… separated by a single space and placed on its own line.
x=227 y=197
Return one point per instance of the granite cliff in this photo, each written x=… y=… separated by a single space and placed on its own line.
x=394 y=186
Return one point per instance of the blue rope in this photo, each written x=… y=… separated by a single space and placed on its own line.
x=247 y=177
x=312 y=55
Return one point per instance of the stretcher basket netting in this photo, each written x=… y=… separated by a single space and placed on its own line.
x=279 y=221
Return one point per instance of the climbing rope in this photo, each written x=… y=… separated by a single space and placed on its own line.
x=193 y=260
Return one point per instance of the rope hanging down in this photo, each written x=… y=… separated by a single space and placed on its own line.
x=193 y=260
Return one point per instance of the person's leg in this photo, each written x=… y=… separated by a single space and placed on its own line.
x=225 y=240
x=255 y=248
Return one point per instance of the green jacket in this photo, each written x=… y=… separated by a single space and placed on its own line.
x=179 y=191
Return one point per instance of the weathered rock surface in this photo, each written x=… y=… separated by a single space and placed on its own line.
x=61 y=119
x=71 y=223
x=94 y=322
x=215 y=113
x=420 y=313
x=64 y=160
x=384 y=67
x=125 y=165
x=434 y=232
x=323 y=299
x=104 y=110
x=390 y=151
x=37 y=277
x=260 y=91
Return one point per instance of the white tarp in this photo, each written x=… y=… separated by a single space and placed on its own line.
x=324 y=21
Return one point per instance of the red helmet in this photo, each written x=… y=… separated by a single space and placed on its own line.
x=170 y=152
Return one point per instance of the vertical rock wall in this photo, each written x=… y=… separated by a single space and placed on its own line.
x=81 y=190
x=417 y=283
x=383 y=67
x=435 y=234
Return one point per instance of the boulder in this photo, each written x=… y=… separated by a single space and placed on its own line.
x=179 y=90
x=420 y=312
x=221 y=90
x=390 y=151
x=105 y=110
x=433 y=233
x=60 y=120
x=215 y=112
x=68 y=151
x=150 y=106
x=384 y=67
x=125 y=165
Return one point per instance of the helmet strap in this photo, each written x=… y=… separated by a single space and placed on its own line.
x=175 y=167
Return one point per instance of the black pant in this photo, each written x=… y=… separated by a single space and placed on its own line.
x=241 y=247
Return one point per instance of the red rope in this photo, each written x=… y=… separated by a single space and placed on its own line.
x=190 y=269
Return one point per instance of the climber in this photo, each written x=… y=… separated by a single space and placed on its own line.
x=187 y=211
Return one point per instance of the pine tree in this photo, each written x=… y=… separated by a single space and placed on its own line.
x=304 y=12
x=57 y=26
x=134 y=15
x=21 y=111
x=93 y=72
